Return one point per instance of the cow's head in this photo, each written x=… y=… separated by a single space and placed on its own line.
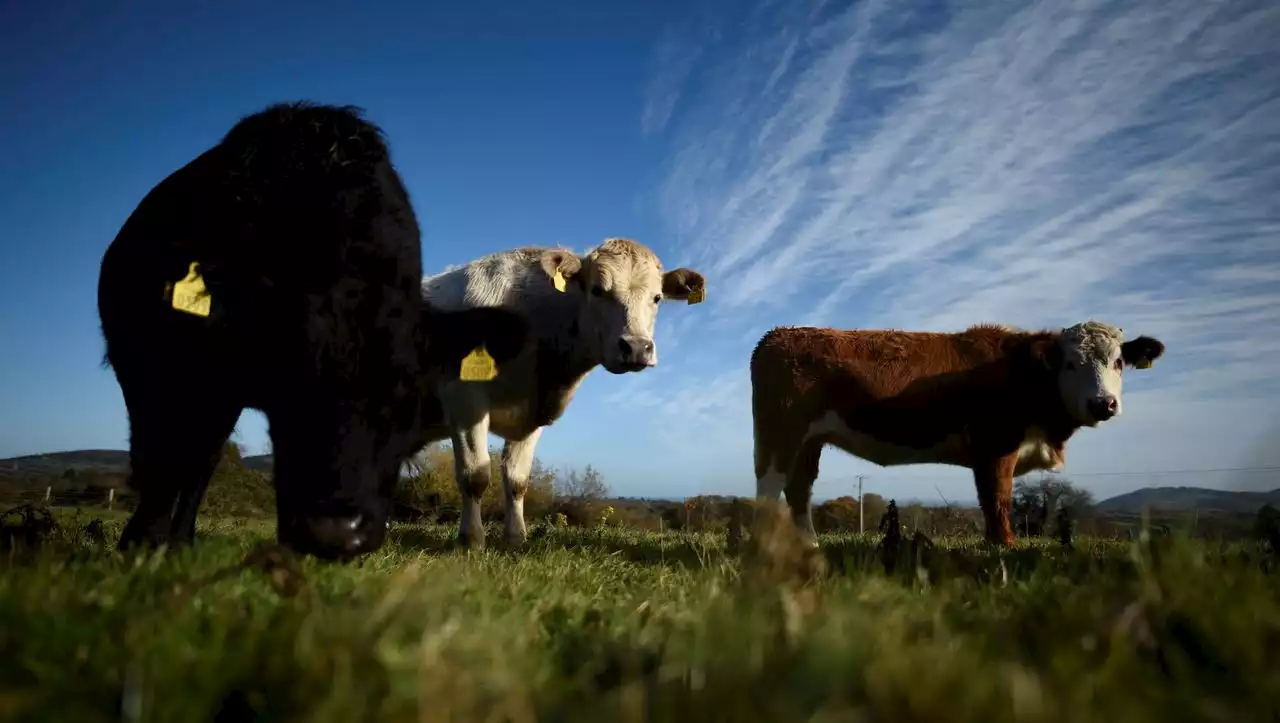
x=1089 y=360
x=621 y=283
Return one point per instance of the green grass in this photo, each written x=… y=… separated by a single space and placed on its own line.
x=615 y=626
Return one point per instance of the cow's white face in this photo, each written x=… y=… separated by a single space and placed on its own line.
x=1091 y=362
x=622 y=284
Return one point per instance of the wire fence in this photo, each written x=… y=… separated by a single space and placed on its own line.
x=938 y=488
x=90 y=498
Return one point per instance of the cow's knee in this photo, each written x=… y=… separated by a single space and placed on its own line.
x=474 y=483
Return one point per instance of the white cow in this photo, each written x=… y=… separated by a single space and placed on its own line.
x=597 y=309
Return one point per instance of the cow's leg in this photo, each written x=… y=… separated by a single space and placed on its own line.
x=994 y=481
x=804 y=470
x=517 y=462
x=190 y=496
x=171 y=457
x=773 y=460
x=471 y=469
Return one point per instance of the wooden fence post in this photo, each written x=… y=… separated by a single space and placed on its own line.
x=111 y=497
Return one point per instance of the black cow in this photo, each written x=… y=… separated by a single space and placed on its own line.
x=308 y=249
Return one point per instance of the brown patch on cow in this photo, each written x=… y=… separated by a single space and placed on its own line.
x=563 y=260
x=985 y=398
x=1141 y=352
x=679 y=283
x=475 y=483
x=518 y=488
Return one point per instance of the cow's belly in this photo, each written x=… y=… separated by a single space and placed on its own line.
x=511 y=422
x=832 y=430
x=1035 y=453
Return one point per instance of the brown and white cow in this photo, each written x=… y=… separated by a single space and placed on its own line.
x=997 y=400
x=598 y=309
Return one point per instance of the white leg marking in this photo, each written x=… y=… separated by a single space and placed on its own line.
x=517 y=461
x=471 y=467
x=771 y=484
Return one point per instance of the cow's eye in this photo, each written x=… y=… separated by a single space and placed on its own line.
x=597 y=290
x=657 y=299
x=1120 y=363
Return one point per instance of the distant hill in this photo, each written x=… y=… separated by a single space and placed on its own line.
x=1185 y=499
x=81 y=460
x=114 y=461
x=258 y=461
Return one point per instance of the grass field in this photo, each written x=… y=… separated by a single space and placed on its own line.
x=617 y=626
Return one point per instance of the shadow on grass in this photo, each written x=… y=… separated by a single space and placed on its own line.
x=842 y=555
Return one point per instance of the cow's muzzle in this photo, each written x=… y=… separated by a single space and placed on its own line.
x=337 y=535
x=634 y=354
x=1103 y=408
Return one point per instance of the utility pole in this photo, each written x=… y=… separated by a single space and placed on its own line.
x=860 y=504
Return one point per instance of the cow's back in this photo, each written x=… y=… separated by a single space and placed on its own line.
x=291 y=216
x=860 y=366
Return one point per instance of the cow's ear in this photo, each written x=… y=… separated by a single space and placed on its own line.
x=562 y=263
x=1141 y=352
x=1046 y=353
x=680 y=284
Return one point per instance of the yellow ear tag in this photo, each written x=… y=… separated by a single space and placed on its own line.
x=478 y=366
x=1143 y=364
x=190 y=295
x=557 y=280
x=698 y=295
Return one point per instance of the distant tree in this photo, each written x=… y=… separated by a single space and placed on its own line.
x=873 y=507
x=836 y=515
x=237 y=491
x=913 y=516
x=232 y=454
x=1037 y=501
x=585 y=485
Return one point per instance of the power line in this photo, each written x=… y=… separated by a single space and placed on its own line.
x=1273 y=468
x=1072 y=475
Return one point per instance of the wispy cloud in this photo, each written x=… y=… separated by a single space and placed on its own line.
x=934 y=165
x=673 y=61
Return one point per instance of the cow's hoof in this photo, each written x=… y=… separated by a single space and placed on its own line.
x=136 y=537
x=471 y=541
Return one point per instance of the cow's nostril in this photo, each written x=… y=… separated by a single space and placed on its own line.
x=1104 y=408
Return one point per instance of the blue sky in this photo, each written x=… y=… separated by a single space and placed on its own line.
x=868 y=164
